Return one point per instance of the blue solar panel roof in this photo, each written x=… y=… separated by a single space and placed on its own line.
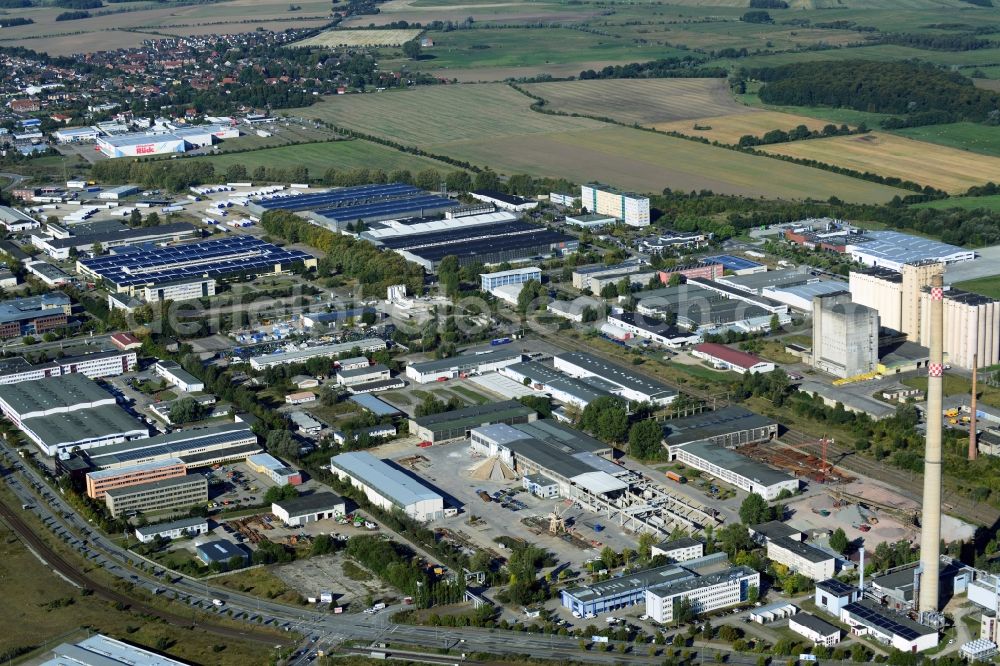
x=731 y=262
x=214 y=258
x=346 y=196
x=406 y=207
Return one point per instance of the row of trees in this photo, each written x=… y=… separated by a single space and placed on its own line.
x=798 y=133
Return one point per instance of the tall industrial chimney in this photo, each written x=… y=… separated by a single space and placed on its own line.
x=973 y=439
x=930 y=533
x=861 y=568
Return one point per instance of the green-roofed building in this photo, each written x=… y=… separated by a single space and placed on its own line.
x=458 y=423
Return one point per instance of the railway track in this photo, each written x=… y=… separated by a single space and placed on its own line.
x=74 y=574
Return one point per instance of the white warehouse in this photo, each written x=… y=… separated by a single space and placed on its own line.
x=464 y=364
x=388 y=487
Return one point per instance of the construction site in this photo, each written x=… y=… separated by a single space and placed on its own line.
x=799 y=464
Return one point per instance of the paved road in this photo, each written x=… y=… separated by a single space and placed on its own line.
x=14 y=178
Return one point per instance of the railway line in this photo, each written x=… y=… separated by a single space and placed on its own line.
x=73 y=573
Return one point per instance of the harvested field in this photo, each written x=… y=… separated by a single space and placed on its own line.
x=491 y=10
x=357 y=38
x=491 y=74
x=237 y=28
x=493 y=125
x=649 y=101
x=729 y=129
x=646 y=162
x=889 y=155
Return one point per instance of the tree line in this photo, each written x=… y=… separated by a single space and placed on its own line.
x=665 y=68
x=884 y=87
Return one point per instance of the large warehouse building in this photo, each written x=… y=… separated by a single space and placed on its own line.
x=320 y=351
x=63 y=413
x=730 y=426
x=631 y=209
x=176 y=140
x=625 y=383
x=448 y=368
x=458 y=423
x=734 y=469
x=62 y=248
x=234 y=257
x=893 y=249
x=387 y=487
x=197 y=447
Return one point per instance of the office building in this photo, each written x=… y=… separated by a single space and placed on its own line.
x=614 y=593
x=387 y=487
x=177 y=493
x=278 y=472
x=99 y=482
x=833 y=595
x=98 y=364
x=631 y=209
x=679 y=550
x=490 y=281
x=175 y=529
x=802 y=558
x=179 y=290
x=815 y=629
x=304 y=509
x=734 y=468
x=845 y=336
x=458 y=423
x=706 y=593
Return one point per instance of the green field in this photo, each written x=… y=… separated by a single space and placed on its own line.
x=318 y=157
x=965 y=136
x=492 y=125
x=991 y=202
x=987 y=286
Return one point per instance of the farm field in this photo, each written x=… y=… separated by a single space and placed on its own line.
x=989 y=202
x=480 y=11
x=433 y=115
x=963 y=136
x=650 y=101
x=729 y=128
x=880 y=52
x=523 y=47
x=494 y=74
x=331 y=38
x=492 y=125
x=889 y=155
x=318 y=157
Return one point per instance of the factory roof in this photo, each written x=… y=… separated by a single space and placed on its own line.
x=141 y=467
x=503 y=196
x=882 y=273
x=319 y=350
x=174 y=443
x=528 y=238
x=374 y=405
x=474 y=415
x=628 y=265
x=547 y=457
x=729 y=355
x=696 y=583
x=157 y=485
x=19 y=309
x=340 y=197
x=52 y=393
x=729 y=262
x=774 y=529
x=236 y=254
x=304 y=421
x=311 y=503
x=388 y=481
x=736 y=463
x=616 y=374
x=683 y=542
x=837 y=587
x=900 y=248
x=780 y=278
x=819 y=625
x=557 y=381
x=873 y=615
x=531 y=270
x=101 y=650
x=463 y=361
x=182 y=524
x=220 y=551
x=568 y=440
x=811 y=289
x=903 y=352
x=128 y=235
x=539 y=479
x=803 y=550
x=709 y=424
x=361 y=372
x=636 y=580
x=10 y=215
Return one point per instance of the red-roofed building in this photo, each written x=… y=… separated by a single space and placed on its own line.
x=126 y=341
x=731 y=359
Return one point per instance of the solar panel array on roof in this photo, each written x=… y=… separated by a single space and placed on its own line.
x=215 y=258
x=537 y=241
x=869 y=614
x=347 y=196
x=412 y=206
x=450 y=236
x=730 y=262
